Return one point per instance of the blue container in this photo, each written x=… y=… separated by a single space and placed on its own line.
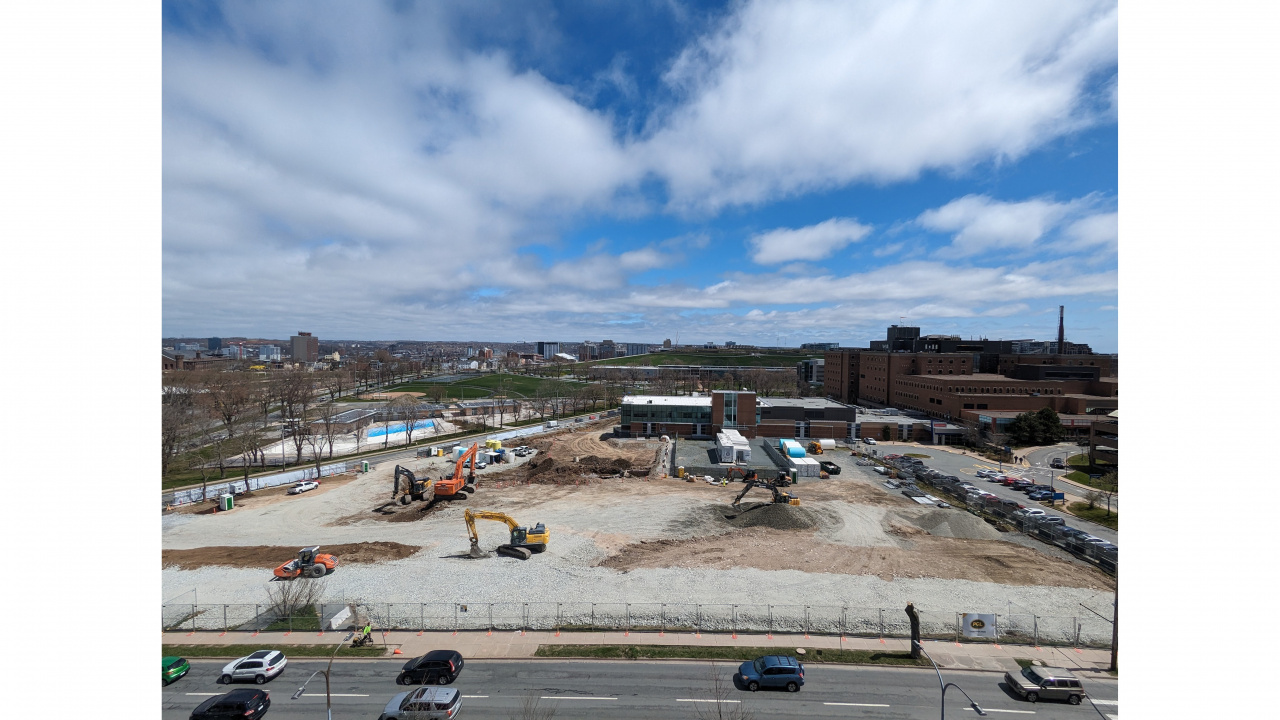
x=795 y=451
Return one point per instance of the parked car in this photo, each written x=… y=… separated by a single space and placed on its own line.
x=259 y=667
x=830 y=467
x=1038 y=488
x=172 y=668
x=303 y=486
x=1052 y=520
x=1040 y=495
x=482 y=465
x=1008 y=480
x=1046 y=683
x=425 y=703
x=1011 y=504
x=869 y=441
x=772 y=671
x=1057 y=464
x=243 y=703
x=440 y=667
x=1030 y=512
x=1022 y=483
x=988 y=474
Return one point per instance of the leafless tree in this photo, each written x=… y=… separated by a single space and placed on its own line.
x=388 y=410
x=327 y=414
x=531 y=708
x=297 y=393
x=287 y=598
x=226 y=396
x=405 y=408
x=1108 y=486
x=718 y=691
x=177 y=412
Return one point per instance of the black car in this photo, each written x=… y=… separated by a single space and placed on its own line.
x=440 y=667
x=251 y=704
x=830 y=467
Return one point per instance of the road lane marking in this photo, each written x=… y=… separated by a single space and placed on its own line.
x=856 y=704
x=1104 y=702
x=204 y=694
x=318 y=695
x=569 y=697
x=476 y=696
x=1017 y=712
x=711 y=701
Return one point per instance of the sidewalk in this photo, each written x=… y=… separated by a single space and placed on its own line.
x=507 y=644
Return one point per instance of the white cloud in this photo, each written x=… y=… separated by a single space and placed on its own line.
x=1101 y=230
x=807 y=243
x=792 y=96
x=982 y=224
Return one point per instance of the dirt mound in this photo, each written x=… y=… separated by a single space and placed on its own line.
x=269 y=556
x=778 y=516
x=768 y=549
x=952 y=524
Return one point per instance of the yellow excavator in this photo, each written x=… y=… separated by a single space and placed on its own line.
x=779 y=497
x=406 y=486
x=524 y=541
x=815 y=448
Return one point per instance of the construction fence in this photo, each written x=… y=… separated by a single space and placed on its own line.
x=235 y=487
x=1087 y=630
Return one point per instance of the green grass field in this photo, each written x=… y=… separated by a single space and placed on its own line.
x=744 y=360
x=483 y=386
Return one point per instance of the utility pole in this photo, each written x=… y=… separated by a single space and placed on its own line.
x=1115 y=626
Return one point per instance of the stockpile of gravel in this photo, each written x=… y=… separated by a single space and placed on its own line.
x=772 y=515
x=954 y=523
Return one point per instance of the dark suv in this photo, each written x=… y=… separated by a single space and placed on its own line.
x=772 y=671
x=439 y=667
x=250 y=704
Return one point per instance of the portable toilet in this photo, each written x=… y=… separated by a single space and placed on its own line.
x=226 y=501
x=364 y=466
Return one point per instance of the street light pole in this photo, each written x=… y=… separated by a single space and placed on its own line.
x=945 y=686
x=328 y=700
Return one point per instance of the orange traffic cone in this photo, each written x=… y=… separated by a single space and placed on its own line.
x=396 y=652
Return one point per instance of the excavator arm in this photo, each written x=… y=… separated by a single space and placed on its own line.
x=523 y=542
x=746 y=489
x=395 y=482
x=470 y=516
x=468 y=455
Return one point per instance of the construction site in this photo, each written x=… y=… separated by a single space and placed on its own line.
x=578 y=515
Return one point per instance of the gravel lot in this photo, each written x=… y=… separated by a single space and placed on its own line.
x=589 y=523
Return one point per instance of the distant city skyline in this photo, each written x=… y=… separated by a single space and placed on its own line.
x=767 y=173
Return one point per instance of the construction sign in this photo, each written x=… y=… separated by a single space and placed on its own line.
x=978 y=625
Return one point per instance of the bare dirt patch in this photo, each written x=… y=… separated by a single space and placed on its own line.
x=928 y=557
x=269 y=556
x=264 y=497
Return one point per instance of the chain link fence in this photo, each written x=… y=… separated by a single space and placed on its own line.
x=831 y=620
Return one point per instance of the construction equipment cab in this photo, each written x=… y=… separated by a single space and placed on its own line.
x=459 y=485
x=309 y=563
x=815 y=448
x=406 y=486
x=524 y=541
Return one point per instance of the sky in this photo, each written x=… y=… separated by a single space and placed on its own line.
x=760 y=172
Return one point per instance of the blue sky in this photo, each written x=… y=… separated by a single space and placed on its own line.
x=770 y=173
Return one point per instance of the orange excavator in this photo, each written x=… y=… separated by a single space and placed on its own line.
x=459 y=486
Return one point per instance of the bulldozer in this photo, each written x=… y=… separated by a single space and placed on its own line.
x=815 y=448
x=406 y=486
x=459 y=486
x=524 y=541
x=779 y=497
x=310 y=563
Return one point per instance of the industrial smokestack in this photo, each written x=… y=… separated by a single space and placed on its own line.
x=1062 y=346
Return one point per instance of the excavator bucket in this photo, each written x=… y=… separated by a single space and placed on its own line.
x=476 y=552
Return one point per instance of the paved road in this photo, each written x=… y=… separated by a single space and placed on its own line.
x=1039 y=459
x=640 y=689
x=966 y=467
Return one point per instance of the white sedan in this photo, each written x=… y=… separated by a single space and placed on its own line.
x=303 y=487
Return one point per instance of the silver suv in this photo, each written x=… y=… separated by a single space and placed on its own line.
x=425 y=703
x=1046 y=683
x=258 y=667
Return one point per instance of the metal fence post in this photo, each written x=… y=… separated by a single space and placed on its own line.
x=697 y=619
x=388 y=622
x=193 y=617
x=557 y=619
x=524 y=621
x=422 y=618
x=1035 y=628
x=1076 y=620
x=224 y=619
x=593 y=617
x=957 y=628
x=806 y=621
x=770 y=621
x=490 y=617
x=881 y=621
x=626 y=614
x=662 y=615
x=734 y=622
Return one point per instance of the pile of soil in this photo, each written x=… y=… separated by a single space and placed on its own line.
x=269 y=556
x=954 y=524
x=770 y=515
x=945 y=558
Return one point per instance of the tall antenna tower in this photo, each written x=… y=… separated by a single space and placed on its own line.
x=1062 y=346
